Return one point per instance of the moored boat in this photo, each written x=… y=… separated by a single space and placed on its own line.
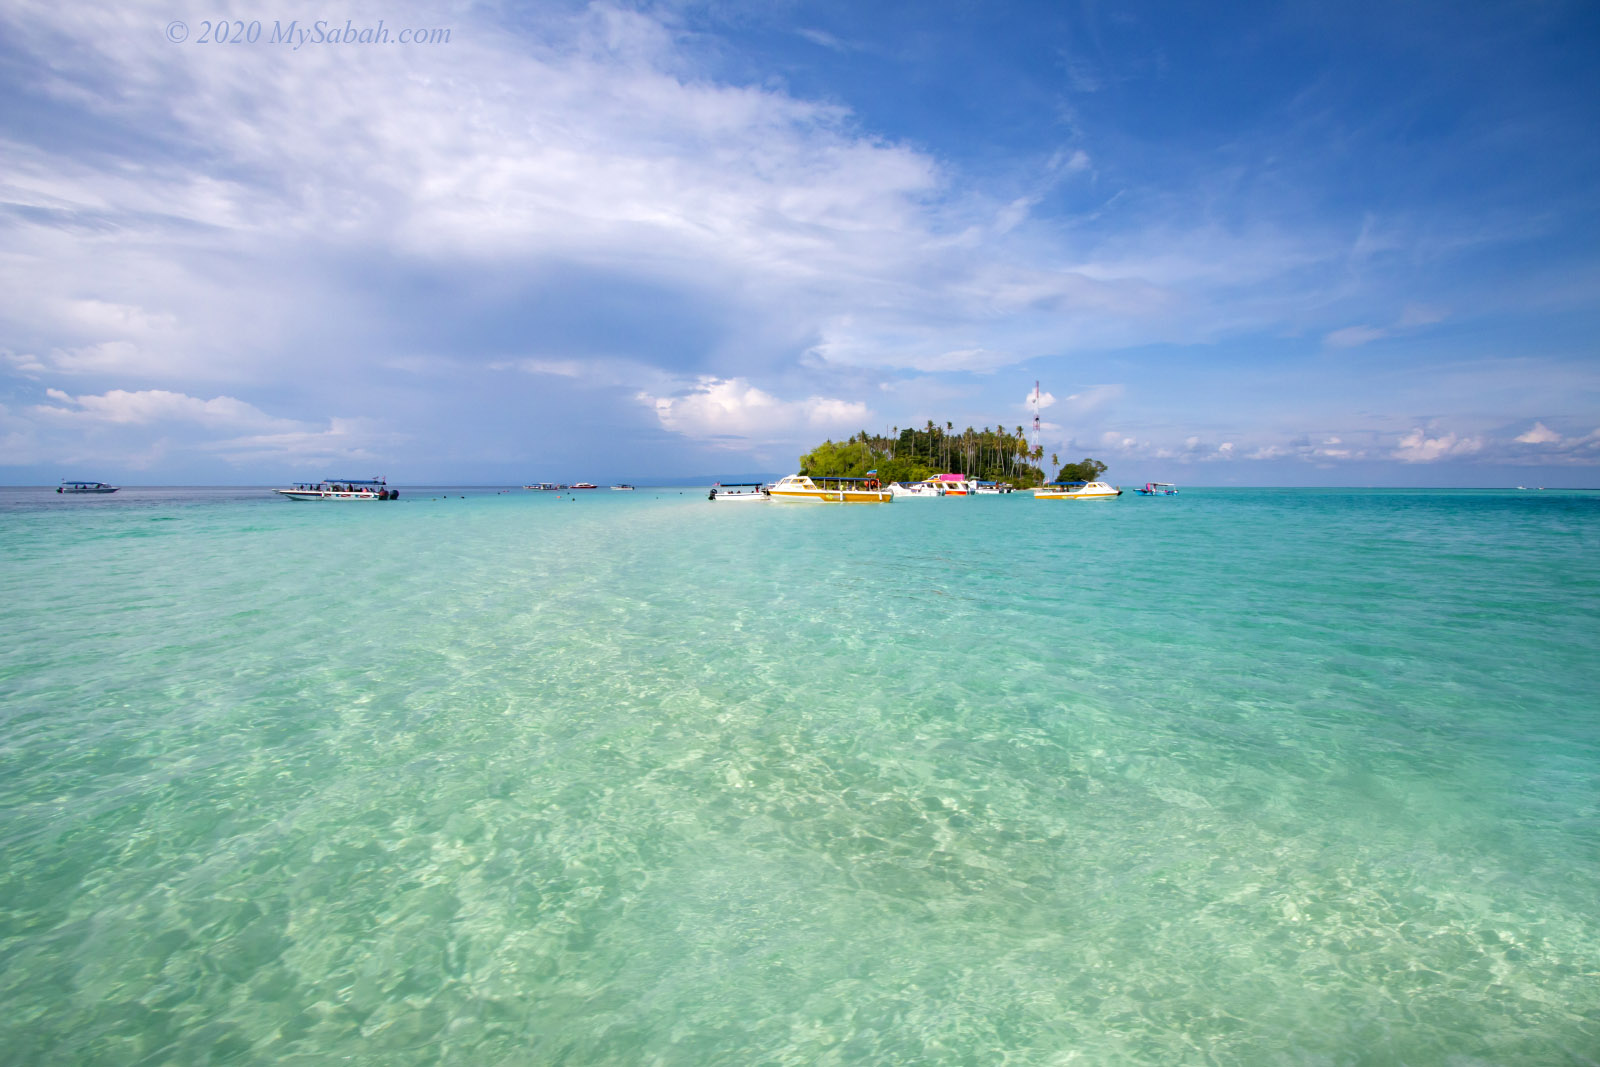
x=739 y=493
x=831 y=490
x=954 y=484
x=1158 y=489
x=915 y=490
x=622 y=488
x=342 y=489
x=1076 y=491
x=584 y=485
x=86 y=487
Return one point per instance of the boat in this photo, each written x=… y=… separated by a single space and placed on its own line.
x=831 y=490
x=341 y=489
x=916 y=490
x=623 y=488
x=1158 y=489
x=86 y=487
x=991 y=488
x=739 y=493
x=545 y=487
x=1076 y=491
x=954 y=484
x=584 y=485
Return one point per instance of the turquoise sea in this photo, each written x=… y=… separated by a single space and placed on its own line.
x=1234 y=777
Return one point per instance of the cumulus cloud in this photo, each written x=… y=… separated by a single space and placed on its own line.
x=1418 y=447
x=718 y=409
x=1046 y=399
x=1540 y=435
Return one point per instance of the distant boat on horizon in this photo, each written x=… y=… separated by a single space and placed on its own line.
x=86 y=487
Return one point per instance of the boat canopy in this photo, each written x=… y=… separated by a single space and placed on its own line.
x=356 y=481
x=1065 y=485
x=739 y=485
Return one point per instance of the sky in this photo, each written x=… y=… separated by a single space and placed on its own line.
x=1290 y=243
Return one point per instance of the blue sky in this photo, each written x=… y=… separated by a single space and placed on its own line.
x=1254 y=244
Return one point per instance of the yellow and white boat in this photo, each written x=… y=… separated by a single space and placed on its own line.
x=1076 y=491
x=830 y=490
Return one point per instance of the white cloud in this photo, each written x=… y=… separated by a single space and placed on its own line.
x=151 y=406
x=722 y=408
x=1540 y=435
x=1046 y=399
x=1417 y=447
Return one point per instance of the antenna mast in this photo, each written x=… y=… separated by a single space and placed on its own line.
x=1035 y=443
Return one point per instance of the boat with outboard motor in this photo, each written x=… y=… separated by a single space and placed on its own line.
x=739 y=493
x=341 y=489
x=825 y=490
x=1076 y=491
x=1158 y=489
x=86 y=487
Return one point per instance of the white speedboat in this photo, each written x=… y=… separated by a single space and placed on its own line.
x=915 y=491
x=1076 y=491
x=86 y=487
x=739 y=493
x=831 y=490
x=623 y=488
x=342 y=489
x=1158 y=489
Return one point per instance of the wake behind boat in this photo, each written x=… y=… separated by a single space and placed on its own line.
x=342 y=489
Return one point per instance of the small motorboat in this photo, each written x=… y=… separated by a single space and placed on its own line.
x=1076 y=491
x=739 y=493
x=1158 y=489
x=86 y=487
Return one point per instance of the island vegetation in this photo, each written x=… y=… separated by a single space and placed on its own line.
x=911 y=455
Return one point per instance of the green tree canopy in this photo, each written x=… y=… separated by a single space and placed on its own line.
x=1085 y=470
x=914 y=454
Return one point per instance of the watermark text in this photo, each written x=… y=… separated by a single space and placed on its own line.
x=295 y=34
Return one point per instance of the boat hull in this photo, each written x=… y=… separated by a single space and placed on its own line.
x=297 y=494
x=836 y=496
x=1079 y=496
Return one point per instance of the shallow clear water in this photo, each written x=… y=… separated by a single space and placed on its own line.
x=1240 y=776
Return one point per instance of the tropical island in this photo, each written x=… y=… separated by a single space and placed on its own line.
x=911 y=455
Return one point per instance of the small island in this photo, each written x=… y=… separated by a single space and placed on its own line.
x=911 y=455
